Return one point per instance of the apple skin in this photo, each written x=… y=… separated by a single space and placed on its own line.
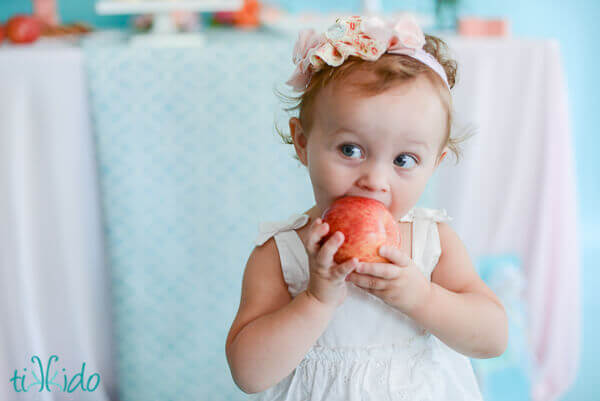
x=366 y=224
x=22 y=29
x=1 y=33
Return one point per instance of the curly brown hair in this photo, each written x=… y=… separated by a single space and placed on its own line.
x=390 y=70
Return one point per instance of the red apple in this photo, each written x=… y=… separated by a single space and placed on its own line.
x=23 y=29
x=1 y=33
x=366 y=224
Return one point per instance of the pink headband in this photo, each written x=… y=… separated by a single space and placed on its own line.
x=364 y=37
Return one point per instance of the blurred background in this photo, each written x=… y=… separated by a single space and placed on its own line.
x=138 y=155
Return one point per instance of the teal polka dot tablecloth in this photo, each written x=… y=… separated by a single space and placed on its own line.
x=189 y=164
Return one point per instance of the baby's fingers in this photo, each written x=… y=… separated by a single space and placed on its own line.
x=316 y=232
x=346 y=268
x=329 y=248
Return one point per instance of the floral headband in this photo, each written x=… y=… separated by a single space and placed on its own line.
x=365 y=37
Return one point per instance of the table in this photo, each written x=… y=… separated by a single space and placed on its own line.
x=189 y=164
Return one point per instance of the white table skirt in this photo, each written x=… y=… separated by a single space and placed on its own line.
x=53 y=281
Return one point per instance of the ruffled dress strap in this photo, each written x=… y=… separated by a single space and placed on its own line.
x=292 y=254
x=427 y=214
x=426 y=240
x=269 y=228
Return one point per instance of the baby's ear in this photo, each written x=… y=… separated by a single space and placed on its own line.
x=299 y=138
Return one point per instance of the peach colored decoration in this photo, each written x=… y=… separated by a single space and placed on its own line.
x=186 y=20
x=475 y=26
x=46 y=11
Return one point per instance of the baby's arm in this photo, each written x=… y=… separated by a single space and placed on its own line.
x=272 y=332
x=462 y=311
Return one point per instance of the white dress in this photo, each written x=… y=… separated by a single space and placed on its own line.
x=370 y=350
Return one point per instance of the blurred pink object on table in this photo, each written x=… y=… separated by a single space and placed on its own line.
x=476 y=26
x=186 y=20
x=45 y=10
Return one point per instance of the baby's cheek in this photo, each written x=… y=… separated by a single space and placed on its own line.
x=338 y=180
x=322 y=171
x=327 y=186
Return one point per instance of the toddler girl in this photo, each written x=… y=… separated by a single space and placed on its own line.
x=374 y=121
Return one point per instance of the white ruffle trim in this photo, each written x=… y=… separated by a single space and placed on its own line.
x=426 y=213
x=269 y=228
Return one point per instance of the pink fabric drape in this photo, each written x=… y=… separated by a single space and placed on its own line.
x=514 y=191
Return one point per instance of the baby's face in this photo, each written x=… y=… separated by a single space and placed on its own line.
x=383 y=147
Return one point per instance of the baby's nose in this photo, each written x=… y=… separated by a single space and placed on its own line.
x=374 y=179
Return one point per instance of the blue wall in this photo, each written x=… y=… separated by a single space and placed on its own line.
x=575 y=24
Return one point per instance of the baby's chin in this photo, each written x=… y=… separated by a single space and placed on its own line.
x=400 y=211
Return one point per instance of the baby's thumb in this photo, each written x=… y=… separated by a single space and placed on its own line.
x=347 y=267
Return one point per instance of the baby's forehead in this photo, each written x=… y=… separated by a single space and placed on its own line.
x=414 y=108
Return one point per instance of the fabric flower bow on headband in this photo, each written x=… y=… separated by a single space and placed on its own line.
x=364 y=37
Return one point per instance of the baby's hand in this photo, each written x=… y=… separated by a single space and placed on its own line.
x=399 y=284
x=327 y=281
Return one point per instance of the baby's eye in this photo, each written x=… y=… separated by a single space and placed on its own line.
x=348 y=149
x=405 y=160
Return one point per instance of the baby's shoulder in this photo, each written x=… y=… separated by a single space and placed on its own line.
x=263 y=287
